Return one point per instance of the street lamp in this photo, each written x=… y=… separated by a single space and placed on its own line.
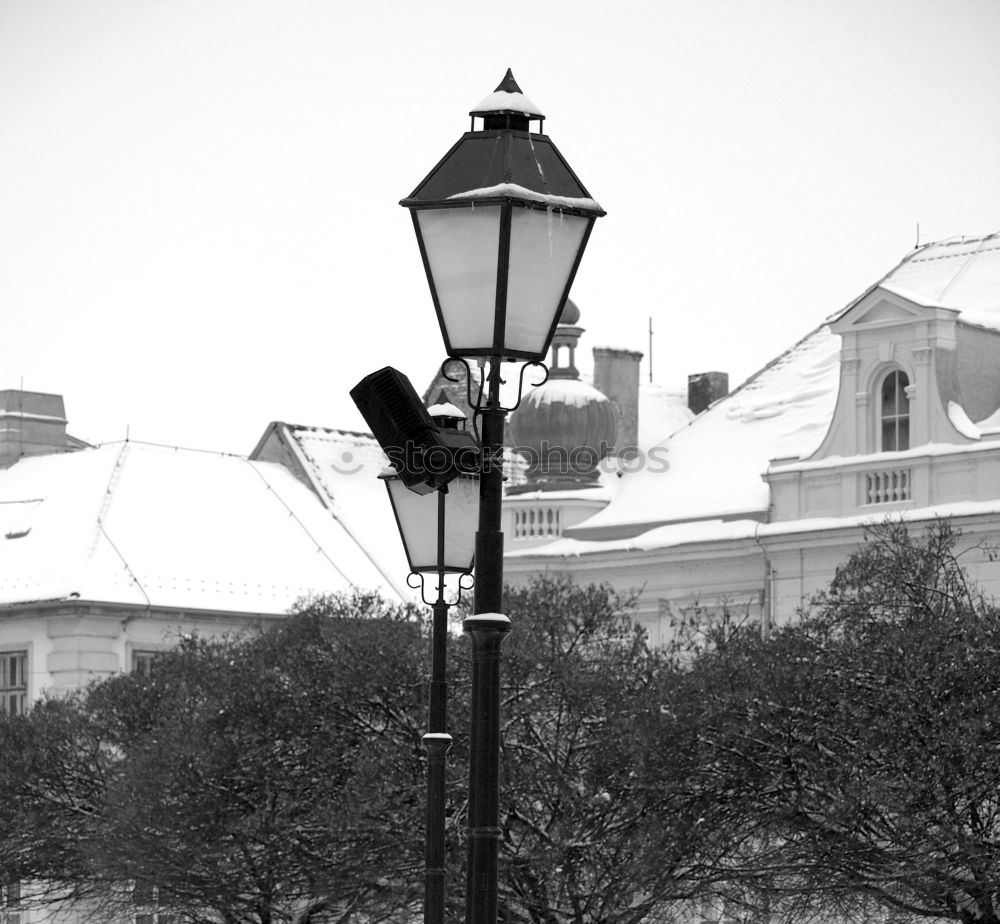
x=438 y=532
x=437 y=529
x=502 y=222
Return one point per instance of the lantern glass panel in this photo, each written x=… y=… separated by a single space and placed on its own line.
x=543 y=249
x=417 y=518
x=461 y=505
x=461 y=246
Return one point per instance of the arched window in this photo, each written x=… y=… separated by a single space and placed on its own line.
x=895 y=412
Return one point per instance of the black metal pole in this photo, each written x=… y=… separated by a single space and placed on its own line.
x=487 y=629
x=437 y=742
x=436 y=745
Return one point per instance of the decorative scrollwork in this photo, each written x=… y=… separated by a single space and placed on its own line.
x=418 y=580
x=468 y=377
x=476 y=403
x=520 y=384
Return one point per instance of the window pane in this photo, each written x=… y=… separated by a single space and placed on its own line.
x=142 y=662
x=888 y=436
x=889 y=395
x=13 y=682
x=895 y=413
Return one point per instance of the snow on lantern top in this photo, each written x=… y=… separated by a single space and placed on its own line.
x=507 y=105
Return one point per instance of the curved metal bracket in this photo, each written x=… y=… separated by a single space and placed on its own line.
x=477 y=402
x=472 y=402
x=520 y=383
x=466 y=582
x=417 y=580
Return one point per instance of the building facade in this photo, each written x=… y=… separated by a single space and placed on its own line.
x=889 y=408
x=108 y=554
x=748 y=499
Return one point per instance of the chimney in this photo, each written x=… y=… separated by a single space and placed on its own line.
x=31 y=424
x=616 y=375
x=705 y=388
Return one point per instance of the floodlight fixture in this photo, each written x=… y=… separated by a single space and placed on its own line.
x=425 y=456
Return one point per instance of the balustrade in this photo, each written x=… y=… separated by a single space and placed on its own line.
x=537 y=522
x=887 y=486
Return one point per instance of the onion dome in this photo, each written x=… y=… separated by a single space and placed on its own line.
x=563 y=427
x=570 y=313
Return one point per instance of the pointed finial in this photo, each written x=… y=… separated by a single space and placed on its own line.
x=507 y=107
x=508 y=84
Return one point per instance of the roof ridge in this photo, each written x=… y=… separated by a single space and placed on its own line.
x=109 y=494
x=174 y=447
x=361 y=433
x=956 y=239
x=109 y=490
x=968 y=262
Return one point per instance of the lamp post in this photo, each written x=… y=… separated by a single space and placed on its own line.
x=502 y=222
x=438 y=532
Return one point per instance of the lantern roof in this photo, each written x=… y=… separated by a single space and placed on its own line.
x=504 y=162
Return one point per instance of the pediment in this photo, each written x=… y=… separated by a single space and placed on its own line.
x=880 y=308
x=882 y=311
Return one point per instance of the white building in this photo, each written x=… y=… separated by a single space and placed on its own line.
x=890 y=407
x=108 y=553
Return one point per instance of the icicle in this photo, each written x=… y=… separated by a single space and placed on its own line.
x=541 y=172
x=548 y=226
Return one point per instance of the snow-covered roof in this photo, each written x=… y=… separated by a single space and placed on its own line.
x=704 y=483
x=131 y=523
x=344 y=467
x=959 y=273
x=663 y=410
x=712 y=468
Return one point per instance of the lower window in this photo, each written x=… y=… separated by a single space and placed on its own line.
x=13 y=682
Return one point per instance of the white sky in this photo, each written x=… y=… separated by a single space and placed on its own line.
x=199 y=228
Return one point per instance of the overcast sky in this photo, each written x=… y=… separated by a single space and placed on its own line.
x=199 y=219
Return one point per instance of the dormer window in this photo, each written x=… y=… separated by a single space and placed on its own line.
x=895 y=412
